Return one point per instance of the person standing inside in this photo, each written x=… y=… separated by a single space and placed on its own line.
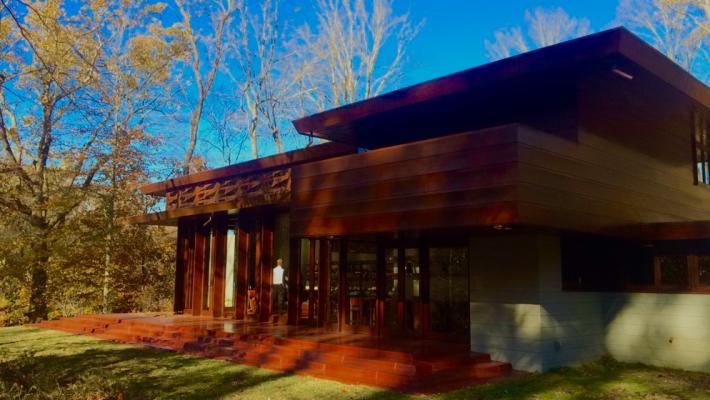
x=279 y=288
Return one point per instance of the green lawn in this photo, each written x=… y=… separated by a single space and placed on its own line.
x=37 y=364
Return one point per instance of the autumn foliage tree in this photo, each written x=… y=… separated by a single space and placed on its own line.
x=91 y=92
x=65 y=125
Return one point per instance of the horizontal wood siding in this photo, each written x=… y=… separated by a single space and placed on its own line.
x=464 y=179
x=625 y=168
x=603 y=179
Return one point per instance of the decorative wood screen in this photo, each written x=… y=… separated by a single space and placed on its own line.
x=271 y=187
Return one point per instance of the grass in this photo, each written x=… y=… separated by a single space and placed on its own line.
x=40 y=364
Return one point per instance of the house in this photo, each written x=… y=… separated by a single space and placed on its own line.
x=547 y=209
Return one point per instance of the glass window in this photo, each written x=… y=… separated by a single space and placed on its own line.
x=334 y=280
x=279 y=288
x=449 y=301
x=673 y=270
x=362 y=271
x=229 y=270
x=391 y=319
x=704 y=270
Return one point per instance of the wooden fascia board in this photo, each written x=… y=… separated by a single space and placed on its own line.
x=283 y=160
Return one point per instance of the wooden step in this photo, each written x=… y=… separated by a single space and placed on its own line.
x=371 y=364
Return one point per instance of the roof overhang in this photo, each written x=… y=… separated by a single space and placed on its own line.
x=686 y=230
x=393 y=117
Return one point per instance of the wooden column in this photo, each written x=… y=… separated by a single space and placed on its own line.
x=381 y=292
x=323 y=282
x=198 y=269
x=240 y=298
x=343 y=301
x=189 y=267
x=294 y=282
x=265 y=267
x=218 y=253
x=181 y=263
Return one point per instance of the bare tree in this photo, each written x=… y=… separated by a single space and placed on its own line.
x=205 y=53
x=680 y=29
x=253 y=55
x=345 y=60
x=226 y=136
x=545 y=27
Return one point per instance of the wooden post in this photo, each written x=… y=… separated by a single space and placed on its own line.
x=181 y=261
x=241 y=272
x=294 y=282
x=324 y=282
x=190 y=266
x=343 y=299
x=198 y=269
x=219 y=255
x=265 y=268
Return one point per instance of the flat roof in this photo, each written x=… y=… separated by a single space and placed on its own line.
x=368 y=123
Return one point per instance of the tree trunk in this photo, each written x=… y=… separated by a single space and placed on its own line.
x=107 y=262
x=38 y=308
x=194 y=125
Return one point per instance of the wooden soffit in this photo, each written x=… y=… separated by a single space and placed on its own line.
x=687 y=230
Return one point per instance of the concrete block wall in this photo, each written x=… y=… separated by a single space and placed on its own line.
x=518 y=311
x=670 y=330
x=520 y=314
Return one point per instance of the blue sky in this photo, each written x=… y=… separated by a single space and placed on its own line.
x=453 y=35
x=451 y=39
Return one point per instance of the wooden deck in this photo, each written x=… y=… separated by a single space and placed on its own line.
x=419 y=366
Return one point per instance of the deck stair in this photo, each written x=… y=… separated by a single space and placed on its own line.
x=420 y=369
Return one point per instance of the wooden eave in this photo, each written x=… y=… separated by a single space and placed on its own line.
x=283 y=160
x=569 y=58
x=170 y=217
x=685 y=230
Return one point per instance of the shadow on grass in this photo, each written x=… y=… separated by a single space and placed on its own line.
x=141 y=373
x=53 y=362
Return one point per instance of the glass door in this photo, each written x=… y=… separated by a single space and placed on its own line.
x=449 y=291
x=411 y=288
x=229 y=272
x=361 y=283
x=402 y=303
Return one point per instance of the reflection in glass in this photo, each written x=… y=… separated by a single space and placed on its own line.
x=449 y=300
x=334 y=280
x=229 y=270
x=391 y=319
x=704 y=269
x=674 y=270
x=362 y=271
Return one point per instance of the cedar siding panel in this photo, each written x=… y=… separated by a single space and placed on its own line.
x=609 y=177
x=459 y=180
x=512 y=174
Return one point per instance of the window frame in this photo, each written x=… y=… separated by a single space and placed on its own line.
x=693 y=285
x=701 y=150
